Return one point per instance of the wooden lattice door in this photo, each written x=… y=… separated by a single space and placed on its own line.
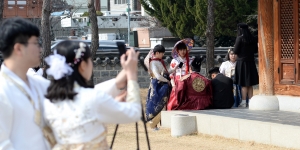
x=289 y=41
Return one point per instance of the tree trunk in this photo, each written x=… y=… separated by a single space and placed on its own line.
x=45 y=34
x=1 y=10
x=210 y=62
x=94 y=30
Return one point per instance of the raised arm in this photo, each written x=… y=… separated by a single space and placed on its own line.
x=113 y=86
x=112 y=111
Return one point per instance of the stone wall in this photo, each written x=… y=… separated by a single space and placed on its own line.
x=109 y=68
x=105 y=71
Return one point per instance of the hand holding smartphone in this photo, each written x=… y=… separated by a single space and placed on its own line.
x=180 y=65
x=122 y=50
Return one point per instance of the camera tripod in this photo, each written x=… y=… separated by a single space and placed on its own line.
x=137 y=133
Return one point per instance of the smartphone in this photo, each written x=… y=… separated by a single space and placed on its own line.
x=121 y=47
x=180 y=65
x=122 y=50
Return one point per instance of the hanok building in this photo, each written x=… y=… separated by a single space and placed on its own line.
x=279 y=56
x=22 y=8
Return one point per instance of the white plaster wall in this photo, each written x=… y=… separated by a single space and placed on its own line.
x=118 y=8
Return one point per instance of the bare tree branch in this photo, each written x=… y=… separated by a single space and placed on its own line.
x=94 y=30
x=151 y=22
x=45 y=24
x=210 y=31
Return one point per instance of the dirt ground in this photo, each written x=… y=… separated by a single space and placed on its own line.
x=162 y=139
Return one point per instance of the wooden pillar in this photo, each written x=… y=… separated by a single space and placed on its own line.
x=266 y=47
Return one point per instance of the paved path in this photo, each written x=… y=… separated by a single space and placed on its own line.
x=280 y=117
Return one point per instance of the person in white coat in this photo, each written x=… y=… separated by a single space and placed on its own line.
x=22 y=126
x=21 y=95
x=76 y=111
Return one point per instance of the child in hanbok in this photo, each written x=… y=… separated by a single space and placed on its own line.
x=180 y=65
x=76 y=111
x=228 y=69
x=159 y=89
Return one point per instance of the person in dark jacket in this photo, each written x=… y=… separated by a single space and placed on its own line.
x=222 y=88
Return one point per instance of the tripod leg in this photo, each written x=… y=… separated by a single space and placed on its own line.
x=147 y=137
x=115 y=133
x=145 y=127
x=137 y=136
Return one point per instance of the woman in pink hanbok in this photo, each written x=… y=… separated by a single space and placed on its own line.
x=180 y=65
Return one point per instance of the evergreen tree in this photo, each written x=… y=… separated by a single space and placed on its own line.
x=228 y=13
x=199 y=9
x=185 y=18
x=173 y=14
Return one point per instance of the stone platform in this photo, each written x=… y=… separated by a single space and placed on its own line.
x=277 y=128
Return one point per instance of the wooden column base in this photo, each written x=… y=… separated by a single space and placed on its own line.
x=264 y=102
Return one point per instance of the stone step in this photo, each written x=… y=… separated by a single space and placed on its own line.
x=277 y=128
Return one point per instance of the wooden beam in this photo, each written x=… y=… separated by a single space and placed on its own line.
x=266 y=47
x=292 y=90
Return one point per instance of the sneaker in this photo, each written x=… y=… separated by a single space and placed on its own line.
x=243 y=104
x=155 y=129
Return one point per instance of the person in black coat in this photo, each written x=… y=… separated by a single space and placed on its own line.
x=246 y=74
x=222 y=87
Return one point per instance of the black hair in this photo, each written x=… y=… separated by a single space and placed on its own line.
x=36 y=68
x=244 y=32
x=181 y=46
x=0 y=63
x=214 y=70
x=63 y=88
x=159 y=48
x=15 y=30
x=196 y=64
x=227 y=55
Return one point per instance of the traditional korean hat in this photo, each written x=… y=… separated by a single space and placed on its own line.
x=189 y=45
